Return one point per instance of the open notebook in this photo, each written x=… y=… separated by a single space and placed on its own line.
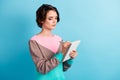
x=73 y=46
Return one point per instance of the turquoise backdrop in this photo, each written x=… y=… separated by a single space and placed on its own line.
x=95 y=22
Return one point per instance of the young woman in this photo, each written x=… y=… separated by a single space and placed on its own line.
x=47 y=49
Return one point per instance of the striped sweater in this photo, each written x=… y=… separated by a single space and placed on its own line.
x=47 y=56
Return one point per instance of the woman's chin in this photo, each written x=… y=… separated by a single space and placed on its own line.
x=53 y=27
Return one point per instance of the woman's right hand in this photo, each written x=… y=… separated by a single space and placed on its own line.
x=65 y=47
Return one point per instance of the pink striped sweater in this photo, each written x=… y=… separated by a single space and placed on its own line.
x=47 y=56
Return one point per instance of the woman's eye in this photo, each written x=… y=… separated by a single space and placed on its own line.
x=52 y=18
x=49 y=18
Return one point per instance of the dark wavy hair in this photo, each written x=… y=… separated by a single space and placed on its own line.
x=42 y=12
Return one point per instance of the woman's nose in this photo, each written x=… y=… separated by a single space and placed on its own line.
x=54 y=21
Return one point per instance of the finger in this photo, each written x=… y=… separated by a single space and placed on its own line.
x=73 y=54
x=68 y=42
x=73 y=51
x=66 y=45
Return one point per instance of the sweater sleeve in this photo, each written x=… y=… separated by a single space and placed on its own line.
x=67 y=64
x=43 y=64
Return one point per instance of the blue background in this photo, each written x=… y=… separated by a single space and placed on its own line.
x=95 y=22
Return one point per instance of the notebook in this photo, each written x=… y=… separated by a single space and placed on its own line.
x=73 y=46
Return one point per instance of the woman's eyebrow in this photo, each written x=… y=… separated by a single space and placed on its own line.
x=52 y=16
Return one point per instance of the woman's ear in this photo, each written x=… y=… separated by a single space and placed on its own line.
x=42 y=22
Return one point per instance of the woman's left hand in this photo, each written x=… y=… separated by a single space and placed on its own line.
x=73 y=54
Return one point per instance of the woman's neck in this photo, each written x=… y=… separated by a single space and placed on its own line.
x=47 y=33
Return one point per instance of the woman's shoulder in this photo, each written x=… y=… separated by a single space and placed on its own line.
x=58 y=37
x=34 y=37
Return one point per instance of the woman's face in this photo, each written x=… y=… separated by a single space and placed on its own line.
x=50 y=21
